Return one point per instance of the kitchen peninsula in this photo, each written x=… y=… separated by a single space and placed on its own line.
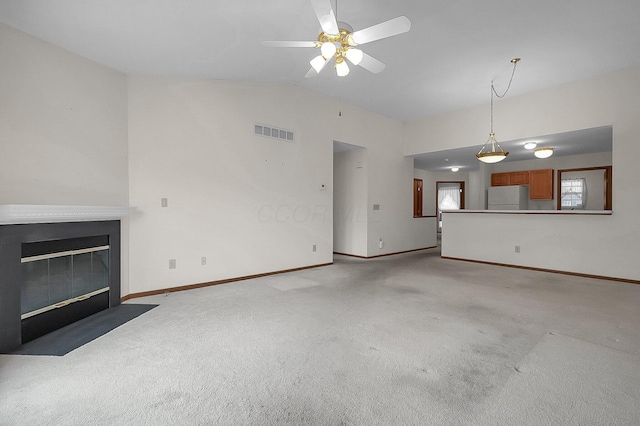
x=535 y=239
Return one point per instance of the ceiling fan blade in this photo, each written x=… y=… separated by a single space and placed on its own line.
x=389 y=28
x=311 y=73
x=290 y=43
x=371 y=64
x=325 y=15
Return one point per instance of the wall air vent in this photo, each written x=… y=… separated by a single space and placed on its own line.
x=273 y=132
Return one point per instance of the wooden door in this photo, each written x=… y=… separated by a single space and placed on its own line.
x=417 y=197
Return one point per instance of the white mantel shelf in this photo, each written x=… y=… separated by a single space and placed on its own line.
x=550 y=212
x=14 y=214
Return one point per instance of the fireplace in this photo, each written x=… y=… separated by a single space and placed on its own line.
x=62 y=281
x=52 y=274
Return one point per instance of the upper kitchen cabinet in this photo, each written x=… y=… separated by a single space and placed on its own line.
x=541 y=184
x=519 y=178
x=510 y=178
x=500 y=179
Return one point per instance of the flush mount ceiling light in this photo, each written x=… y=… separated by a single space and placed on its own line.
x=491 y=151
x=455 y=169
x=338 y=41
x=543 y=152
x=530 y=145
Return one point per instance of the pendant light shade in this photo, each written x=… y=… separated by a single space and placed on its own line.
x=491 y=151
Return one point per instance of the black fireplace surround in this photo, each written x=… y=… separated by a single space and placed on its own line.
x=14 y=331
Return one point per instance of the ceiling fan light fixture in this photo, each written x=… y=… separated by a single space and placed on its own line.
x=543 y=152
x=354 y=55
x=342 y=69
x=318 y=63
x=328 y=49
x=337 y=38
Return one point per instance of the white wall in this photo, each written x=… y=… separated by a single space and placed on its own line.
x=389 y=177
x=350 y=200
x=251 y=204
x=63 y=126
x=593 y=244
x=247 y=203
x=63 y=129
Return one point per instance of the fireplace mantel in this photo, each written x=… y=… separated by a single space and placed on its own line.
x=14 y=214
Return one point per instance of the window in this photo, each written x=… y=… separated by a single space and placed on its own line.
x=574 y=193
x=449 y=196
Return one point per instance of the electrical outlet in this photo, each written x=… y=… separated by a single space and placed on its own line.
x=381 y=243
x=164 y=202
x=172 y=264
x=314 y=247
x=517 y=249
x=203 y=260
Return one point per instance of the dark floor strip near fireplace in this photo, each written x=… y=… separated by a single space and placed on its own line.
x=73 y=336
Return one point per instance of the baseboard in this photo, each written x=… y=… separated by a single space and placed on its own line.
x=212 y=283
x=384 y=255
x=553 y=271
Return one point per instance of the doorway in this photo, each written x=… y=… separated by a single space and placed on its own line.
x=449 y=196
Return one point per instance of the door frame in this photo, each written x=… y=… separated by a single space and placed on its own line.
x=608 y=184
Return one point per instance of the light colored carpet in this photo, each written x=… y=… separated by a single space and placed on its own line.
x=409 y=339
x=567 y=381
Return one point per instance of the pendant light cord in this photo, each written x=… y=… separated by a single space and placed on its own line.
x=493 y=89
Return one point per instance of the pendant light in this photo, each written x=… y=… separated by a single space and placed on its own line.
x=491 y=151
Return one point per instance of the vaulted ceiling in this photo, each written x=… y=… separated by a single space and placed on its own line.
x=445 y=62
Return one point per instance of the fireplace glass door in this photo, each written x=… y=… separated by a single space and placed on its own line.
x=55 y=280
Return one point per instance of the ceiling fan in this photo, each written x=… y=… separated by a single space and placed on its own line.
x=338 y=40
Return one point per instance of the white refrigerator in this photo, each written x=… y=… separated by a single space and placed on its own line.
x=513 y=197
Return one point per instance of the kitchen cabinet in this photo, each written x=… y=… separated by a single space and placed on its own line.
x=510 y=178
x=500 y=179
x=519 y=178
x=541 y=184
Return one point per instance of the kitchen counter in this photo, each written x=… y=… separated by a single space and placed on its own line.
x=553 y=212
